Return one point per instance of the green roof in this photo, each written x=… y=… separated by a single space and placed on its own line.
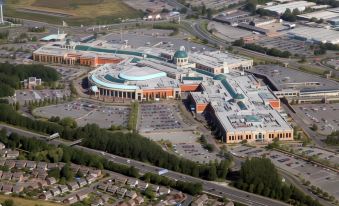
x=252 y=118
x=193 y=78
x=113 y=79
x=230 y=90
x=180 y=54
x=219 y=77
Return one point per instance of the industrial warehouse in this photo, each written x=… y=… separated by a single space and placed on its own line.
x=215 y=82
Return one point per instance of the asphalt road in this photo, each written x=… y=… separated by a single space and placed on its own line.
x=210 y=187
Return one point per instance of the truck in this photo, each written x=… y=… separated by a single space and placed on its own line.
x=162 y=171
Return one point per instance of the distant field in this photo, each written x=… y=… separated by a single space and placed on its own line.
x=75 y=12
x=25 y=202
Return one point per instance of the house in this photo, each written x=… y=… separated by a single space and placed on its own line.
x=132 y=182
x=63 y=188
x=1 y=173
x=2 y=146
x=142 y=185
x=7 y=188
x=20 y=164
x=82 y=195
x=17 y=176
x=112 y=189
x=18 y=188
x=97 y=202
x=154 y=188
x=230 y=203
x=200 y=200
x=131 y=202
x=46 y=195
x=10 y=164
x=73 y=185
x=121 y=192
x=120 y=180
x=51 y=180
x=131 y=194
x=6 y=176
x=71 y=200
x=41 y=166
x=52 y=165
x=105 y=198
x=139 y=200
x=164 y=190
x=95 y=173
x=90 y=179
x=2 y=162
x=102 y=186
x=31 y=165
x=75 y=168
x=42 y=175
x=55 y=191
x=84 y=170
x=12 y=154
x=82 y=182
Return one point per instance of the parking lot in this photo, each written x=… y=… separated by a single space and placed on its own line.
x=325 y=116
x=69 y=73
x=326 y=179
x=184 y=144
x=319 y=153
x=36 y=95
x=228 y=32
x=88 y=113
x=157 y=117
x=286 y=44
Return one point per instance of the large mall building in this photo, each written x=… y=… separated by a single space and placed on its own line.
x=216 y=83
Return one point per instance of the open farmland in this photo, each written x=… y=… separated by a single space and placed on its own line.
x=25 y=202
x=74 y=12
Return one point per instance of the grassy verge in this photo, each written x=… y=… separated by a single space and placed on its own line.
x=26 y=202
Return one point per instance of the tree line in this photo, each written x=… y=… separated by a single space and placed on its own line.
x=41 y=151
x=130 y=145
x=333 y=138
x=259 y=176
x=11 y=75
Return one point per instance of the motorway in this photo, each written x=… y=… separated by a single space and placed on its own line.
x=209 y=187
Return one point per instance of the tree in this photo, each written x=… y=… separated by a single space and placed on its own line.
x=68 y=122
x=209 y=13
x=314 y=127
x=66 y=172
x=8 y=202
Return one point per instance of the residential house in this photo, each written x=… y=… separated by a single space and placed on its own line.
x=7 y=189
x=63 y=188
x=42 y=175
x=200 y=200
x=20 y=164
x=18 y=188
x=52 y=165
x=102 y=186
x=142 y=186
x=10 y=164
x=131 y=202
x=12 y=154
x=164 y=190
x=121 y=192
x=90 y=179
x=112 y=189
x=131 y=194
x=51 y=180
x=95 y=173
x=6 y=176
x=82 y=195
x=105 y=198
x=73 y=185
x=2 y=162
x=97 y=202
x=41 y=166
x=2 y=146
x=139 y=200
x=132 y=182
x=18 y=176
x=75 y=168
x=55 y=191
x=46 y=195
x=84 y=170
x=82 y=182
x=120 y=180
x=154 y=188
x=31 y=165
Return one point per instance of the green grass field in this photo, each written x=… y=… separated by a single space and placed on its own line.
x=79 y=11
x=25 y=202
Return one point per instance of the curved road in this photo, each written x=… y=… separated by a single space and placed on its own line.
x=209 y=187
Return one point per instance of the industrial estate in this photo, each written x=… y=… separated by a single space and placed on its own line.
x=169 y=102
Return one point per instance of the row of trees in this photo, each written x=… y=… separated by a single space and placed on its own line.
x=11 y=75
x=272 y=51
x=41 y=151
x=259 y=175
x=130 y=145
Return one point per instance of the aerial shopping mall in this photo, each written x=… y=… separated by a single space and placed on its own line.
x=216 y=83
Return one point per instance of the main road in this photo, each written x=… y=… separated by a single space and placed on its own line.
x=213 y=188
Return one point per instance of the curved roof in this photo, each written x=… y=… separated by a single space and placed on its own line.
x=113 y=86
x=141 y=74
x=219 y=77
x=180 y=54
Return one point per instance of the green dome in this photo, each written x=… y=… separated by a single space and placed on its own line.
x=180 y=55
